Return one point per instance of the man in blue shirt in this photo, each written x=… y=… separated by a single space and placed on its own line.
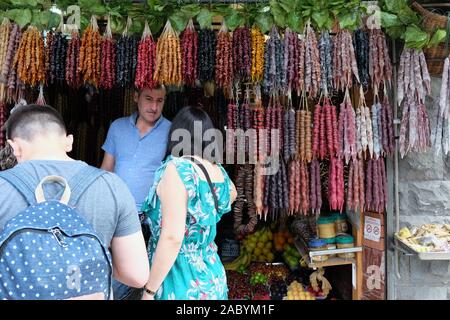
x=134 y=149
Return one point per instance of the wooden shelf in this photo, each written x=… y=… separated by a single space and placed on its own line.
x=331 y=262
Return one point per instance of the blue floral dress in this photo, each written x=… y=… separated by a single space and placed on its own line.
x=198 y=273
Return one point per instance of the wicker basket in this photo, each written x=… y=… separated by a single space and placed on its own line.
x=436 y=55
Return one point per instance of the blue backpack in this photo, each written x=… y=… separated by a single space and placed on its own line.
x=49 y=250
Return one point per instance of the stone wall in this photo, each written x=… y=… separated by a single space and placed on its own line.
x=424 y=190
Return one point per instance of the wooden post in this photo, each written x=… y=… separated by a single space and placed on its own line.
x=358 y=234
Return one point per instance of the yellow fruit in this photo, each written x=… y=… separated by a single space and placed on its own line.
x=269 y=245
x=257 y=251
x=260 y=245
x=270 y=256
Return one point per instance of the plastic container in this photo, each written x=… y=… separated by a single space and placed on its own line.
x=340 y=222
x=331 y=245
x=318 y=245
x=345 y=241
x=327 y=228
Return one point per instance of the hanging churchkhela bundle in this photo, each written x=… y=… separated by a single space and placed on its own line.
x=289 y=132
x=380 y=68
x=14 y=87
x=276 y=191
x=108 y=60
x=344 y=61
x=73 y=77
x=5 y=56
x=168 y=58
x=273 y=63
x=361 y=46
x=304 y=132
x=29 y=58
x=258 y=125
x=146 y=60
x=299 y=188
x=326 y=63
x=387 y=121
x=441 y=133
x=336 y=184
x=312 y=74
x=257 y=71
x=242 y=54
x=258 y=191
x=58 y=59
x=315 y=187
x=2 y=123
x=347 y=129
x=207 y=43
x=326 y=141
x=189 y=49
x=414 y=83
x=291 y=61
x=244 y=187
x=126 y=57
x=377 y=128
x=89 y=60
x=274 y=123
x=224 y=59
x=376 y=186
x=355 y=186
x=364 y=132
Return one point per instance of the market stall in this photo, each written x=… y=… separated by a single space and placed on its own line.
x=321 y=75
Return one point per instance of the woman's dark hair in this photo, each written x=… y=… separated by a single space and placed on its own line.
x=189 y=124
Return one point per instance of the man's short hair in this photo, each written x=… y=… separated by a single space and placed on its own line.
x=31 y=120
x=159 y=86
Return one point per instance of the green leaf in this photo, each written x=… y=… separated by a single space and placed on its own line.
x=179 y=21
x=63 y=4
x=54 y=20
x=44 y=18
x=191 y=10
x=118 y=24
x=155 y=25
x=389 y=20
x=295 y=22
x=264 y=22
x=396 y=32
x=287 y=5
x=408 y=16
x=279 y=15
x=348 y=20
x=394 y=5
x=153 y=3
x=415 y=38
x=99 y=10
x=137 y=26
x=20 y=16
x=204 y=18
x=320 y=17
x=234 y=20
x=438 y=37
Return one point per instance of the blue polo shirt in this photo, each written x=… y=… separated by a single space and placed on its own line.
x=137 y=158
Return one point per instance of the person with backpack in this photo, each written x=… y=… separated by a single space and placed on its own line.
x=65 y=227
x=134 y=149
x=190 y=195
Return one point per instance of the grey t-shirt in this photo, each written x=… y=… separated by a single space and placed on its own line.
x=107 y=204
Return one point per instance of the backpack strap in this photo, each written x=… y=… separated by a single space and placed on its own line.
x=20 y=180
x=208 y=179
x=81 y=181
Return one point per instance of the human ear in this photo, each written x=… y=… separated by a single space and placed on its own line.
x=68 y=143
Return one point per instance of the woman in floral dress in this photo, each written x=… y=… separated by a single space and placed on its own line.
x=183 y=218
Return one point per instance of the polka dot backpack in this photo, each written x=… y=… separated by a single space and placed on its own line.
x=49 y=251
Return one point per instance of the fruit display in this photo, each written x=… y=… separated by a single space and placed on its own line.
x=278 y=289
x=282 y=239
x=240 y=263
x=259 y=245
x=258 y=278
x=260 y=292
x=297 y=292
x=274 y=271
x=291 y=256
x=238 y=288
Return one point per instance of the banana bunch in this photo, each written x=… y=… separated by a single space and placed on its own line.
x=243 y=259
